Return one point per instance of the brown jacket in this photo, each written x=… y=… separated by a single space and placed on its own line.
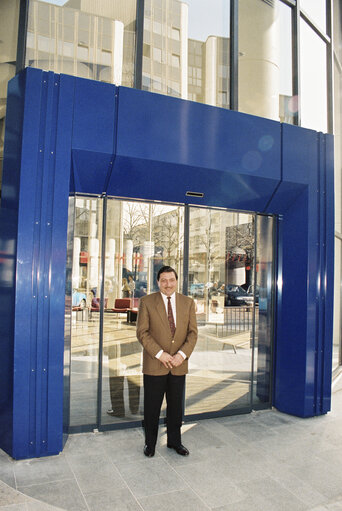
x=153 y=332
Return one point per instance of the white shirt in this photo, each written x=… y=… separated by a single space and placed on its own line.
x=173 y=307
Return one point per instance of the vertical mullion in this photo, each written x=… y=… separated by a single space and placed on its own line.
x=100 y=354
x=186 y=249
x=251 y=400
x=139 y=40
x=22 y=32
x=296 y=61
x=234 y=55
x=330 y=68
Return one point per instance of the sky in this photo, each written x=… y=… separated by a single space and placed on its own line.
x=208 y=17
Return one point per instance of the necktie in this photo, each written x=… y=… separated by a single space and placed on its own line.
x=170 y=316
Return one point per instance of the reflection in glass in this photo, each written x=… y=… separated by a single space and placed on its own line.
x=227 y=281
x=317 y=11
x=221 y=269
x=313 y=60
x=140 y=239
x=9 y=19
x=265 y=60
x=337 y=306
x=88 y=39
x=263 y=311
x=85 y=320
x=186 y=50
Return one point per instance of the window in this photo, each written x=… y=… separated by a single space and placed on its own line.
x=313 y=71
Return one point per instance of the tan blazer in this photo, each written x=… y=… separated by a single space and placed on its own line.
x=153 y=332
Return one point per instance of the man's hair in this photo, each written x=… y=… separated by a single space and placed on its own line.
x=166 y=269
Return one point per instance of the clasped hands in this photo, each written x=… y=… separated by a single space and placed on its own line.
x=170 y=361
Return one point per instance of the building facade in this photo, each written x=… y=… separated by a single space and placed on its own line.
x=242 y=205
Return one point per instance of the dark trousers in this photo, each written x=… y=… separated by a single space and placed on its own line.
x=155 y=387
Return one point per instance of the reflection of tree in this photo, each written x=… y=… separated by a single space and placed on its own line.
x=152 y=222
x=135 y=222
x=166 y=234
x=242 y=236
x=209 y=244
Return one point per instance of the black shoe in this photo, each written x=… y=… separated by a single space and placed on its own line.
x=148 y=451
x=180 y=449
x=114 y=414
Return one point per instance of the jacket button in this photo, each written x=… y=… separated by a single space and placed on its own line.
x=173 y=341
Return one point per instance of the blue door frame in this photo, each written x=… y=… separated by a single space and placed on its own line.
x=66 y=134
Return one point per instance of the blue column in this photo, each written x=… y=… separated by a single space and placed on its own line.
x=36 y=186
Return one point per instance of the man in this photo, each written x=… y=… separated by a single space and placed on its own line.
x=167 y=330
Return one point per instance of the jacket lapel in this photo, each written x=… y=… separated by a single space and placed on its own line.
x=160 y=307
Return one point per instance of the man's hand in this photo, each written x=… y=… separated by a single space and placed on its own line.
x=167 y=360
x=177 y=360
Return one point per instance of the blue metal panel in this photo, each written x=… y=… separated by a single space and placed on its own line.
x=328 y=272
x=8 y=229
x=233 y=158
x=148 y=146
x=94 y=115
x=40 y=274
x=90 y=170
x=61 y=146
x=303 y=343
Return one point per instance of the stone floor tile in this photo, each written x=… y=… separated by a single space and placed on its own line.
x=36 y=505
x=185 y=500
x=150 y=476
x=322 y=477
x=63 y=494
x=111 y=500
x=40 y=470
x=14 y=507
x=95 y=472
x=211 y=482
x=9 y=496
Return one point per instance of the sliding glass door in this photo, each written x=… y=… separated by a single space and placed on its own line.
x=224 y=261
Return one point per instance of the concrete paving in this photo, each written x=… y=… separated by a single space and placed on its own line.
x=264 y=461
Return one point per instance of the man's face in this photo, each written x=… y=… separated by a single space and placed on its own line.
x=167 y=283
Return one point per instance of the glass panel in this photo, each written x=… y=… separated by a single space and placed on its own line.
x=140 y=239
x=316 y=10
x=313 y=71
x=96 y=40
x=9 y=19
x=265 y=60
x=186 y=50
x=86 y=278
x=263 y=312
x=221 y=268
x=337 y=305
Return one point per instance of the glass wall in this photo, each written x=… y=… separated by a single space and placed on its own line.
x=337 y=39
x=85 y=318
x=186 y=50
x=316 y=10
x=265 y=60
x=83 y=38
x=313 y=58
x=9 y=20
x=118 y=248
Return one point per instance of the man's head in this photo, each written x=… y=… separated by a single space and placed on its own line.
x=167 y=280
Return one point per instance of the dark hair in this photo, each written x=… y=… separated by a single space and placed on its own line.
x=166 y=269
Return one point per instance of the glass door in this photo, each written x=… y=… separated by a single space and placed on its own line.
x=85 y=315
x=224 y=261
x=221 y=277
x=140 y=239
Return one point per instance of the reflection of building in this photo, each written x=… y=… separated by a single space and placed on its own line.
x=83 y=39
